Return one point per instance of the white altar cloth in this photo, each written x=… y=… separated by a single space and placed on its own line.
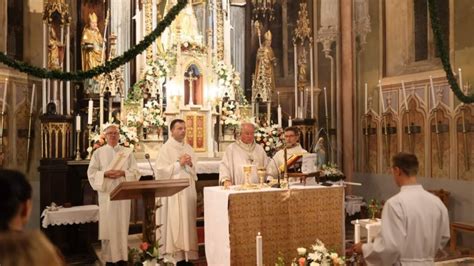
x=74 y=215
x=216 y=217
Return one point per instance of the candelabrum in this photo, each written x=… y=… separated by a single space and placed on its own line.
x=89 y=149
x=78 y=151
x=263 y=11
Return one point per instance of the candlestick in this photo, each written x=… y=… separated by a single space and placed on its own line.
x=460 y=79
x=404 y=94
x=433 y=97
x=78 y=151
x=365 y=99
x=5 y=96
x=78 y=123
x=278 y=97
x=290 y=122
x=259 y=245
x=279 y=116
x=326 y=102
x=357 y=232
x=89 y=149
x=312 y=102
x=90 y=111
x=32 y=98
x=381 y=97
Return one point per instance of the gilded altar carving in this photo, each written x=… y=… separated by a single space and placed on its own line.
x=264 y=85
x=220 y=31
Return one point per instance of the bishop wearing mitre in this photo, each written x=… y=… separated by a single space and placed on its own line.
x=111 y=165
x=91 y=44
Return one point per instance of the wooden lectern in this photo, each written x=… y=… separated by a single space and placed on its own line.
x=148 y=191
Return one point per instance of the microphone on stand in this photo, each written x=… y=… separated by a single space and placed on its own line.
x=148 y=177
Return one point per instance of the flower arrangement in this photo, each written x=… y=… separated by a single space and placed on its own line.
x=230 y=116
x=330 y=172
x=269 y=138
x=320 y=255
x=134 y=119
x=152 y=116
x=229 y=79
x=146 y=252
x=128 y=137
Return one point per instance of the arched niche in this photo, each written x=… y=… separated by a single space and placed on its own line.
x=389 y=138
x=464 y=121
x=440 y=141
x=413 y=130
x=193 y=84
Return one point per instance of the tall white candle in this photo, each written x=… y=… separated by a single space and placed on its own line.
x=296 y=81
x=278 y=98
x=90 y=111
x=290 y=122
x=311 y=78
x=381 y=97
x=5 y=96
x=312 y=102
x=279 y=116
x=259 y=245
x=404 y=94
x=357 y=232
x=433 y=97
x=365 y=98
x=78 y=123
x=460 y=79
x=325 y=102
x=32 y=98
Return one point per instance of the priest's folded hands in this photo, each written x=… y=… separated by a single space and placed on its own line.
x=186 y=159
x=114 y=174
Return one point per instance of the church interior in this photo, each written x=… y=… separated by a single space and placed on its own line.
x=361 y=80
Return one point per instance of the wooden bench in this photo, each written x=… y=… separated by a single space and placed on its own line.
x=459 y=226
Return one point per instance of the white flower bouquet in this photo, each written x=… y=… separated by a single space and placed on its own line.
x=152 y=116
x=269 y=138
x=319 y=255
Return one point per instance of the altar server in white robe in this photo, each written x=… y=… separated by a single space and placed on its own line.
x=243 y=151
x=415 y=223
x=176 y=159
x=292 y=137
x=111 y=165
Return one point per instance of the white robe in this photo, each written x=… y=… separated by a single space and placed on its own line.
x=114 y=216
x=178 y=212
x=278 y=159
x=415 y=224
x=236 y=156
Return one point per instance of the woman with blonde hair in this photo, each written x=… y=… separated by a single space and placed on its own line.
x=28 y=248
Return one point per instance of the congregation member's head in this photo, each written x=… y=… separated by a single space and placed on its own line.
x=178 y=129
x=30 y=248
x=292 y=136
x=15 y=200
x=404 y=168
x=247 y=133
x=112 y=134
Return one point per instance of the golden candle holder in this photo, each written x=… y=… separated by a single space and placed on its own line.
x=78 y=152
x=89 y=149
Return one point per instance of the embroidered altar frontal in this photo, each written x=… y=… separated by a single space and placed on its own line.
x=287 y=220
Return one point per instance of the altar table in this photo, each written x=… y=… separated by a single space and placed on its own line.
x=286 y=218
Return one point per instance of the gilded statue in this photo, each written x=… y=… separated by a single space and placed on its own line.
x=185 y=23
x=302 y=63
x=264 y=74
x=91 y=44
x=54 y=50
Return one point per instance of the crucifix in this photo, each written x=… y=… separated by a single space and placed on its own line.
x=190 y=80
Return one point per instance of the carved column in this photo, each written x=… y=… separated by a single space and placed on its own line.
x=347 y=88
x=284 y=31
x=148 y=29
x=220 y=31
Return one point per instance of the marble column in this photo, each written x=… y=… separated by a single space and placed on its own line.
x=347 y=76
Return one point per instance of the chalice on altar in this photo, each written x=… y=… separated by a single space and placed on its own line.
x=261 y=173
x=247 y=171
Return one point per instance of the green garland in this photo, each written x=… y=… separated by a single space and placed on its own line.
x=444 y=55
x=105 y=68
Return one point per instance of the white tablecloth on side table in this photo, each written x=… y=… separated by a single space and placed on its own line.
x=74 y=215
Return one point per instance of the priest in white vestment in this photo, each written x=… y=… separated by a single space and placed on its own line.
x=243 y=151
x=293 y=147
x=176 y=159
x=111 y=165
x=415 y=223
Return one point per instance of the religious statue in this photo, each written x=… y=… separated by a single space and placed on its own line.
x=302 y=63
x=264 y=74
x=91 y=44
x=185 y=25
x=54 y=50
x=320 y=153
